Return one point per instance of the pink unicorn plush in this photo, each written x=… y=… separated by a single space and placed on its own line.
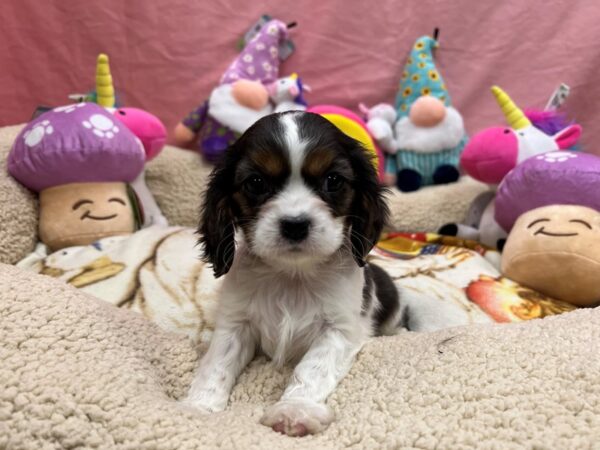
x=493 y=152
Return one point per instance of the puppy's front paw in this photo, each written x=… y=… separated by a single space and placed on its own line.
x=297 y=417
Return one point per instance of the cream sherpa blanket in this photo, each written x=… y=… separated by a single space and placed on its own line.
x=76 y=372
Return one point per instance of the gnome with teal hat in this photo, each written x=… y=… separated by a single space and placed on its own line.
x=429 y=132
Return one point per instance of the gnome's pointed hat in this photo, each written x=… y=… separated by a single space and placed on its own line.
x=105 y=91
x=259 y=60
x=514 y=116
x=420 y=77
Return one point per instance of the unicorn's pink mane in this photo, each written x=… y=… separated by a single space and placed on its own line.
x=548 y=121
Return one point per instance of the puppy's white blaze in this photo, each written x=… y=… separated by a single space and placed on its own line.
x=296 y=199
x=295 y=146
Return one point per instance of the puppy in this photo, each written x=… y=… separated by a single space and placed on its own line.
x=290 y=215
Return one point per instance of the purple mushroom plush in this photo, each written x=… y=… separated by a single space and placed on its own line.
x=79 y=158
x=551 y=207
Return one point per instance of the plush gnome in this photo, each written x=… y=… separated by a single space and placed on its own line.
x=80 y=159
x=429 y=132
x=550 y=206
x=145 y=126
x=241 y=98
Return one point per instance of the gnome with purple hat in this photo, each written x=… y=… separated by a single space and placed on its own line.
x=241 y=97
x=80 y=159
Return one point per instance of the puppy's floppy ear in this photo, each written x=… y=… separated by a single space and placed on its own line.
x=217 y=222
x=369 y=211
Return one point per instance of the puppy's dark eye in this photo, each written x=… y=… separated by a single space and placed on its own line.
x=256 y=185
x=333 y=182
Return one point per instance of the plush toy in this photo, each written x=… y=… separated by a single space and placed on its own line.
x=429 y=132
x=492 y=153
x=549 y=203
x=145 y=126
x=79 y=158
x=380 y=121
x=355 y=127
x=240 y=99
x=287 y=93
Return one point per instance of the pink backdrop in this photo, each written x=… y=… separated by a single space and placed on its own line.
x=167 y=54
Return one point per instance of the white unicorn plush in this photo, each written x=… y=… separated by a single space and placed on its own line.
x=286 y=93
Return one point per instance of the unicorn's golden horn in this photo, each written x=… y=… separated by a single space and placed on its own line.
x=514 y=116
x=294 y=76
x=105 y=91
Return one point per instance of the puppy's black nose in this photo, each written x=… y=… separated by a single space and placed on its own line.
x=295 y=229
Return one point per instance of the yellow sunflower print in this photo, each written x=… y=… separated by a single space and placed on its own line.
x=409 y=61
x=403 y=107
x=421 y=65
x=404 y=75
x=425 y=91
x=434 y=75
x=419 y=45
x=407 y=92
x=422 y=55
x=415 y=77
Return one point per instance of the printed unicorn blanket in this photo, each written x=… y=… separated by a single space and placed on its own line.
x=157 y=272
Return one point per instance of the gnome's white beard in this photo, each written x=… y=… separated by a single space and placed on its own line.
x=223 y=107
x=445 y=135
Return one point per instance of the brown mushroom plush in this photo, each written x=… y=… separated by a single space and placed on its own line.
x=551 y=205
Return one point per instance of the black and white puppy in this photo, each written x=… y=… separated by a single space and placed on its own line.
x=290 y=215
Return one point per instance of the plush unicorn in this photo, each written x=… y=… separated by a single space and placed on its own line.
x=286 y=93
x=380 y=121
x=148 y=128
x=493 y=152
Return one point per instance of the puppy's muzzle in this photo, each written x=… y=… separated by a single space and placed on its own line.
x=295 y=229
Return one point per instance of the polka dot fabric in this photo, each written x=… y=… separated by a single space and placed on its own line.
x=420 y=77
x=259 y=61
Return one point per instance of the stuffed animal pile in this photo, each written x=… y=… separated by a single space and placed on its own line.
x=86 y=160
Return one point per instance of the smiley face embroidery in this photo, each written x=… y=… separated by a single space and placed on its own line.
x=86 y=206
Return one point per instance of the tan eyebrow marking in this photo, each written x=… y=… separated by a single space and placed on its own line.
x=270 y=162
x=317 y=162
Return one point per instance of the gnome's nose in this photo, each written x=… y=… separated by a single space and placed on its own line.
x=427 y=111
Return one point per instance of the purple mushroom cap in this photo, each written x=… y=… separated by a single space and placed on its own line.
x=75 y=144
x=554 y=178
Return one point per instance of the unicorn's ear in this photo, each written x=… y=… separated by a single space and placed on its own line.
x=364 y=109
x=568 y=137
x=306 y=87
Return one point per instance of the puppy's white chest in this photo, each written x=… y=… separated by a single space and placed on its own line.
x=286 y=318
